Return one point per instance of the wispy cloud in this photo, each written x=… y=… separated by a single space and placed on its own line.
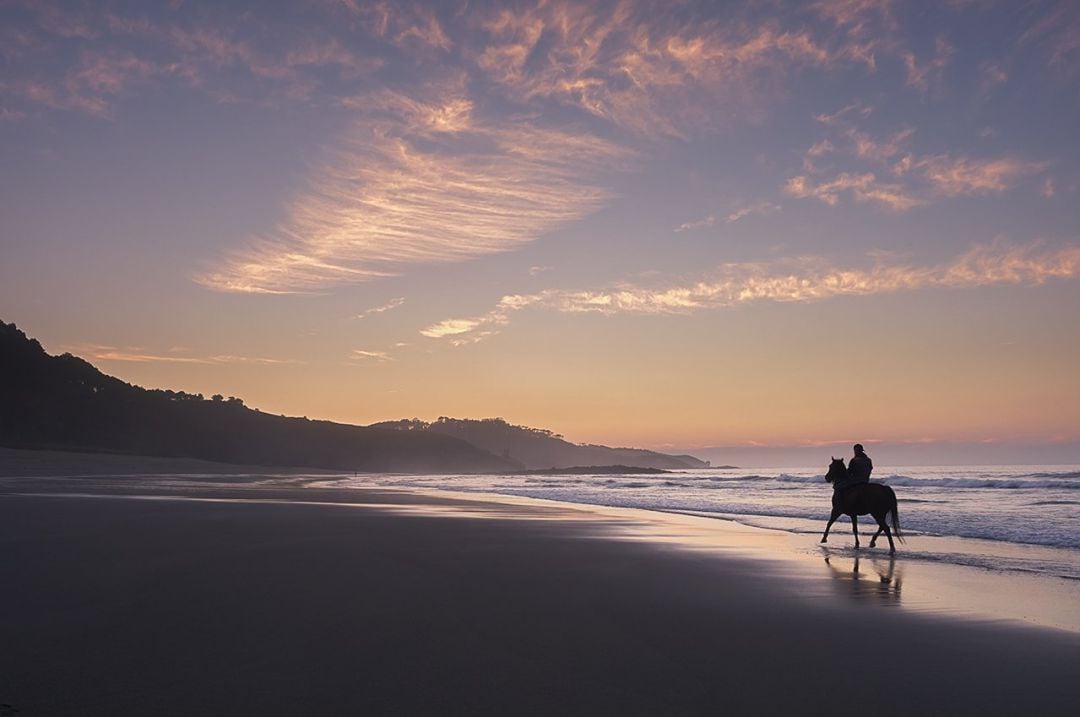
x=889 y=174
x=750 y=210
x=1057 y=33
x=403 y=25
x=867 y=26
x=108 y=54
x=799 y=280
x=453 y=327
x=94 y=83
x=687 y=226
x=991 y=75
x=381 y=308
x=920 y=75
x=862 y=187
x=625 y=63
x=432 y=184
x=736 y=214
x=363 y=355
x=98 y=352
x=963 y=176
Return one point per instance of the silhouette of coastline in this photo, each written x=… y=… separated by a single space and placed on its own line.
x=538 y=449
x=64 y=403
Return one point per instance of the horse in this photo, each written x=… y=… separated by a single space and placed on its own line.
x=875 y=499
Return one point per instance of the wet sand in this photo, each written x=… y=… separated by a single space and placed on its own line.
x=226 y=600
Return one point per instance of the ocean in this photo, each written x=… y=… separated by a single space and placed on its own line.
x=1011 y=518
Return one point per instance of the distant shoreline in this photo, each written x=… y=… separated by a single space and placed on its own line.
x=591 y=470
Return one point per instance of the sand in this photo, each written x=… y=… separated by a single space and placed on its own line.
x=231 y=600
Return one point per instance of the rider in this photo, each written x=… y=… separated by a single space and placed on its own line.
x=860 y=467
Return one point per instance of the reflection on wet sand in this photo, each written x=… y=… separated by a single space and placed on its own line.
x=859 y=582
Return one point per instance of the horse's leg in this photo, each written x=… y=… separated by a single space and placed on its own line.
x=888 y=534
x=832 y=519
x=883 y=527
x=855 y=529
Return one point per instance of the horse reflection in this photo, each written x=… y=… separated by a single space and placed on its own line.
x=862 y=585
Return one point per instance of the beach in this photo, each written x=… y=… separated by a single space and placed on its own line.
x=135 y=595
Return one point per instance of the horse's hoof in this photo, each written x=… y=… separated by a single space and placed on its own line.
x=873 y=544
x=824 y=540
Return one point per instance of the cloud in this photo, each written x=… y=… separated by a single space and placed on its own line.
x=66 y=23
x=381 y=308
x=920 y=75
x=94 y=83
x=962 y=176
x=890 y=175
x=380 y=356
x=991 y=75
x=862 y=187
x=867 y=27
x=451 y=327
x=98 y=352
x=799 y=280
x=687 y=226
x=426 y=182
x=733 y=216
x=114 y=52
x=641 y=71
x=330 y=53
x=750 y=210
x=1057 y=34
x=537 y=270
x=402 y=25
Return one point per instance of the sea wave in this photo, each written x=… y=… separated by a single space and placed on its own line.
x=1059 y=474
x=1065 y=481
x=998 y=483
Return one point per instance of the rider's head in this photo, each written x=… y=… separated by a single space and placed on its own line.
x=858 y=449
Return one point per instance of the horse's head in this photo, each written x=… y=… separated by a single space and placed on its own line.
x=837 y=470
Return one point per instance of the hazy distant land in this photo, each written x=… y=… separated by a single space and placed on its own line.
x=595 y=470
x=64 y=403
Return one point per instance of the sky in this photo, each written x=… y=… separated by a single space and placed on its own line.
x=715 y=227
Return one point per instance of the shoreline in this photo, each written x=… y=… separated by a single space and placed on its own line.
x=977 y=592
x=225 y=599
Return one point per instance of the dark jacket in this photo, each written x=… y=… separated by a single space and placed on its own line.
x=859 y=469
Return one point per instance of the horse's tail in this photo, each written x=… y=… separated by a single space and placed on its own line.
x=894 y=515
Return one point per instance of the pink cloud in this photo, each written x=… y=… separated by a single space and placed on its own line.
x=963 y=176
x=801 y=280
x=913 y=179
x=428 y=184
x=863 y=187
x=921 y=74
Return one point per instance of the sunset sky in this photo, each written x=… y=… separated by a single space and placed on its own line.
x=667 y=224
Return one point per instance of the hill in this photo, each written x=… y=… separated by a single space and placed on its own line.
x=64 y=403
x=536 y=448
